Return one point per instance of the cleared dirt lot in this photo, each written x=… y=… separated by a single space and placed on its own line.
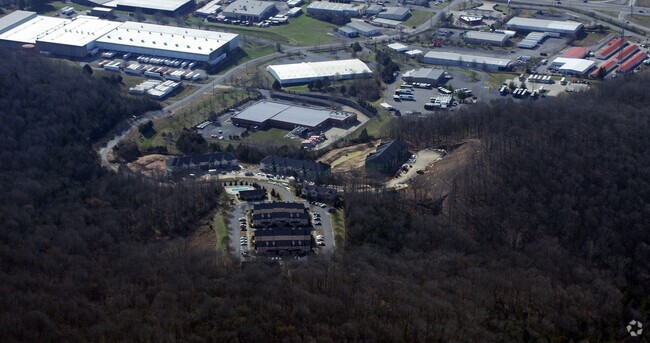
x=349 y=158
x=424 y=159
x=149 y=164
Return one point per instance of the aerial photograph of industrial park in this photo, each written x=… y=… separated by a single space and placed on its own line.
x=325 y=170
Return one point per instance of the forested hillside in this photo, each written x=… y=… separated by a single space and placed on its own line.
x=543 y=238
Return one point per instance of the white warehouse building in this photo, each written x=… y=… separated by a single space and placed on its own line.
x=300 y=73
x=78 y=37
x=322 y=7
x=169 y=41
x=544 y=25
x=467 y=61
x=573 y=66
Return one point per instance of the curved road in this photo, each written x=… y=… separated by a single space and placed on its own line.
x=130 y=125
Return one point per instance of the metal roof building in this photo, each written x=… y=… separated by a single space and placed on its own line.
x=573 y=66
x=363 y=28
x=250 y=10
x=468 y=61
x=169 y=41
x=169 y=7
x=576 y=52
x=27 y=31
x=395 y=13
x=432 y=76
x=490 y=38
x=399 y=47
x=14 y=19
x=632 y=62
x=77 y=37
x=347 y=31
x=210 y=8
x=374 y=9
x=608 y=50
x=544 y=25
x=532 y=40
x=322 y=7
x=297 y=73
x=288 y=116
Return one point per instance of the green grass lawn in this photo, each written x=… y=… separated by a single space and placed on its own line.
x=639 y=20
x=54 y=8
x=339 y=228
x=495 y=80
x=377 y=126
x=271 y=136
x=220 y=225
x=303 y=30
x=417 y=18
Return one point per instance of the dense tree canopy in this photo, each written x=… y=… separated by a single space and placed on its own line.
x=542 y=238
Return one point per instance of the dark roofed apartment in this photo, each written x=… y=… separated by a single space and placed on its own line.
x=388 y=158
x=281 y=226
x=213 y=160
x=308 y=170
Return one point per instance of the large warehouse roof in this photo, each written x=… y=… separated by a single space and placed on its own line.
x=287 y=113
x=307 y=70
x=160 y=5
x=428 y=73
x=332 y=6
x=80 y=31
x=452 y=56
x=14 y=19
x=29 y=31
x=167 y=38
x=249 y=7
x=544 y=25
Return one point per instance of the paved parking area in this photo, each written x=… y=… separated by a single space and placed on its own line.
x=223 y=127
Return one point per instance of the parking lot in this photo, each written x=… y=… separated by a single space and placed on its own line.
x=472 y=80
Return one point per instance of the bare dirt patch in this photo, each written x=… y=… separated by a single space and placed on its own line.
x=438 y=177
x=350 y=158
x=204 y=237
x=149 y=164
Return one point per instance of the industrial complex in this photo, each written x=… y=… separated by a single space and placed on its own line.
x=250 y=10
x=288 y=116
x=300 y=73
x=490 y=38
x=82 y=35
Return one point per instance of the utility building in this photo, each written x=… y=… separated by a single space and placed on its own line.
x=491 y=38
x=395 y=13
x=251 y=10
x=432 y=76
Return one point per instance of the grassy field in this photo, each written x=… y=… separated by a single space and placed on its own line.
x=590 y=39
x=303 y=30
x=495 y=80
x=417 y=18
x=338 y=224
x=220 y=225
x=271 y=136
x=54 y=8
x=639 y=20
x=377 y=126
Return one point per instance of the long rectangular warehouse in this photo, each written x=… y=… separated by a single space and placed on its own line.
x=169 y=7
x=468 y=61
x=297 y=73
x=544 y=25
x=287 y=116
x=169 y=41
x=77 y=37
x=491 y=38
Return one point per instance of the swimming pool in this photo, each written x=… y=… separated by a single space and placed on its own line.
x=236 y=190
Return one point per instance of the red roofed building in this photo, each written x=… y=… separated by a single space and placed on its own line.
x=606 y=67
x=576 y=52
x=632 y=62
x=611 y=47
x=626 y=52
